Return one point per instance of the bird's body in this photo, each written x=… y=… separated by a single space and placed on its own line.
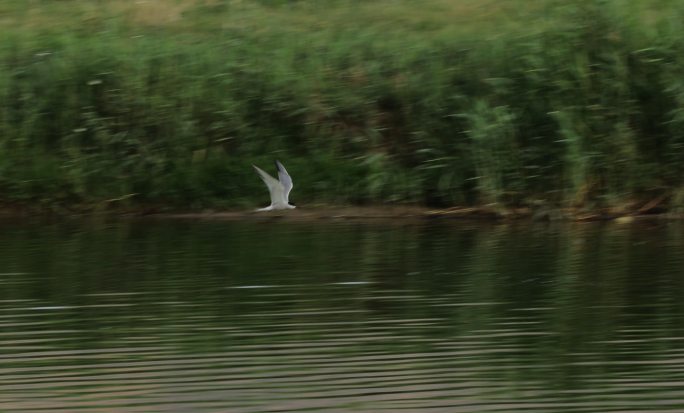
x=279 y=189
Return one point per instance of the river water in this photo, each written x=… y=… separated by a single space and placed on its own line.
x=194 y=316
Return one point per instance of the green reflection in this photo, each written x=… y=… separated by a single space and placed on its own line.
x=328 y=316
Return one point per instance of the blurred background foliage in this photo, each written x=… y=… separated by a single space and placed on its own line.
x=491 y=103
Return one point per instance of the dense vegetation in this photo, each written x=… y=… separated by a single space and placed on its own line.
x=577 y=103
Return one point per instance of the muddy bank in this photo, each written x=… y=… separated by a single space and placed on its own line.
x=420 y=213
x=362 y=213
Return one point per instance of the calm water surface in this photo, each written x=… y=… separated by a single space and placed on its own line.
x=187 y=316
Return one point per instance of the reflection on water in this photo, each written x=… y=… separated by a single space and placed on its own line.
x=254 y=317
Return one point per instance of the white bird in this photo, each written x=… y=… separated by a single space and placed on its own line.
x=280 y=190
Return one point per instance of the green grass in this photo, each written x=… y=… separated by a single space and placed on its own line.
x=504 y=104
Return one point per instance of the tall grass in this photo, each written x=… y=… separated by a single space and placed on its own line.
x=575 y=104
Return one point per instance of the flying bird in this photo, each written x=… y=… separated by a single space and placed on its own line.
x=280 y=190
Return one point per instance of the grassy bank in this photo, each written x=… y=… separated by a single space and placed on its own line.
x=504 y=104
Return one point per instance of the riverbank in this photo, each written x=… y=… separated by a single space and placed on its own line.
x=375 y=214
x=500 y=106
x=388 y=213
x=649 y=212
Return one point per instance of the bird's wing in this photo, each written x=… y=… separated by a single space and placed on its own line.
x=274 y=187
x=285 y=180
